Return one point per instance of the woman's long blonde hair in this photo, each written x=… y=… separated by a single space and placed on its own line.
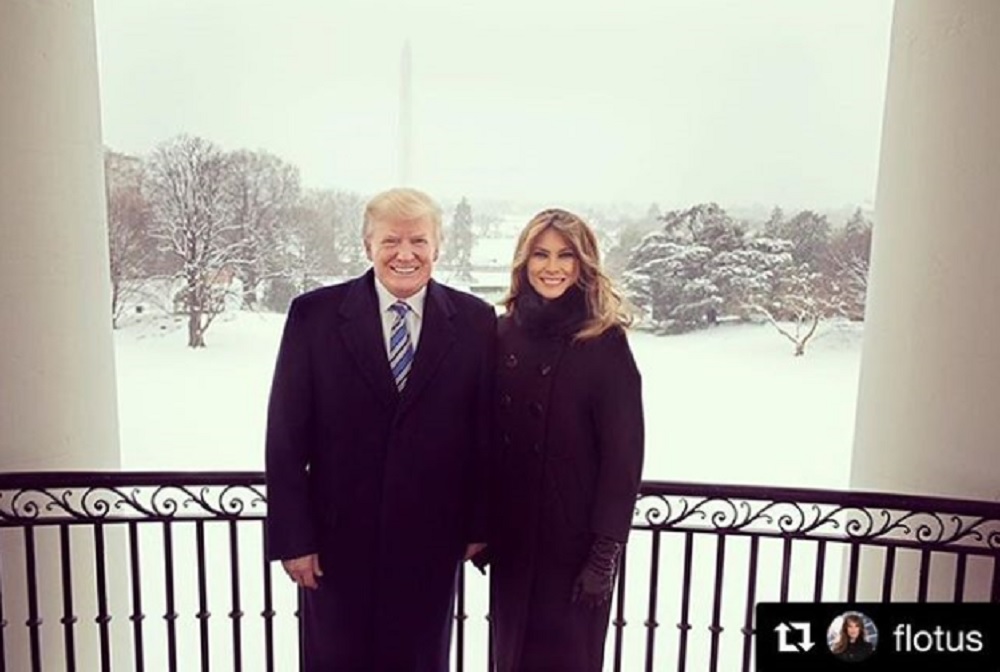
x=605 y=306
x=843 y=639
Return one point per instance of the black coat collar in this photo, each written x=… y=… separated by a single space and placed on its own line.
x=362 y=332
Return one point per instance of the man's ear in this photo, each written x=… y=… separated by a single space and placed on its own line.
x=368 y=249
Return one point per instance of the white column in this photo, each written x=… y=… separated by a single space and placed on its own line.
x=928 y=419
x=57 y=374
x=57 y=378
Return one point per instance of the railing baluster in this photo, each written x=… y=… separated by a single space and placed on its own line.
x=995 y=591
x=460 y=617
x=960 y=567
x=890 y=567
x=171 y=614
x=619 y=621
x=685 y=622
x=852 y=573
x=3 y=625
x=489 y=641
x=34 y=622
x=786 y=567
x=820 y=570
x=236 y=614
x=137 y=615
x=716 y=627
x=654 y=577
x=748 y=626
x=925 y=575
x=69 y=619
x=203 y=613
x=268 y=613
x=103 y=616
x=301 y=630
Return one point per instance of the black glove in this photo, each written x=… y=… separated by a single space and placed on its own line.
x=596 y=581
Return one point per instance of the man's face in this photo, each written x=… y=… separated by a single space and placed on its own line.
x=403 y=252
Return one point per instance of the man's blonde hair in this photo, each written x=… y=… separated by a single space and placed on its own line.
x=402 y=203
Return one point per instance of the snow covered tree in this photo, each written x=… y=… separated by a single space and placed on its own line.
x=796 y=298
x=750 y=275
x=325 y=238
x=809 y=233
x=459 y=242
x=667 y=280
x=186 y=185
x=629 y=233
x=669 y=274
x=263 y=191
x=849 y=260
x=130 y=247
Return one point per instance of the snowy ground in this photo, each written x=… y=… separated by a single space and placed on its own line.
x=727 y=405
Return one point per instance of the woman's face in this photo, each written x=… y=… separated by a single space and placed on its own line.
x=552 y=265
x=853 y=630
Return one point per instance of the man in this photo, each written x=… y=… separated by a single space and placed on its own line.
x=378 y=424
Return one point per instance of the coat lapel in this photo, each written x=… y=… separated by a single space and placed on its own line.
x=362 y=332
x=437 y=334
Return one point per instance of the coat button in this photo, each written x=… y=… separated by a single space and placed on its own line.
x=545 y=369
x=511 y=361
x=506 y=439
x=505 y=400
x=536 y=408
x=536 y=448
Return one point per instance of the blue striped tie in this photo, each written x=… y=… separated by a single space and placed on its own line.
x=400 y=346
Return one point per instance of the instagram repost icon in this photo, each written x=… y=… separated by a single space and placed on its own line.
x=794 y=637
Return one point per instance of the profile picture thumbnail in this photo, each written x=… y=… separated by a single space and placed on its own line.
x=852 y=636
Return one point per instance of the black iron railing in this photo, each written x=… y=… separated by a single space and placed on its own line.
x=165 y=571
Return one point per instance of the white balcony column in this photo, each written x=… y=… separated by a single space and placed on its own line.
x=58 y=408
x=928 y=417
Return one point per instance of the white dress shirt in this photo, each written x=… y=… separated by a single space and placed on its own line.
x=414 y=316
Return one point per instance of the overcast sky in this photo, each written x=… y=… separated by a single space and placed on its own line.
x=740 y=101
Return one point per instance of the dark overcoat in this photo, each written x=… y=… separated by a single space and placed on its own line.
x=386 y=486
x=569 y=465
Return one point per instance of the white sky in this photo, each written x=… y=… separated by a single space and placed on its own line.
x=740 y=101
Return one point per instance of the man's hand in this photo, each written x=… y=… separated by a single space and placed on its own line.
x=480 y=556
x=473 y=549
x=304 y=571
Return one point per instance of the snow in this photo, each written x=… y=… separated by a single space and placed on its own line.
x=724 y=405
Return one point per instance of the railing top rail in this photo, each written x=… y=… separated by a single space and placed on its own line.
x=845 y=498
x=854 y=498
x=111 y=479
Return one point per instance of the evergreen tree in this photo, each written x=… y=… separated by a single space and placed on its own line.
x=460 y=241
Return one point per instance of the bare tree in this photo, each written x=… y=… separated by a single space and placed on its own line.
x=264 y=192
x=186 y=184
x=795 y=298
x=327 y=236
x=130 y=247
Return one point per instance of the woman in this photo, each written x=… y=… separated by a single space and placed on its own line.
x=852 y=643
x=569 y=459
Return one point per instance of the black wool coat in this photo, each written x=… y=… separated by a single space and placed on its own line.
x=386 y=486
x=567 y=468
